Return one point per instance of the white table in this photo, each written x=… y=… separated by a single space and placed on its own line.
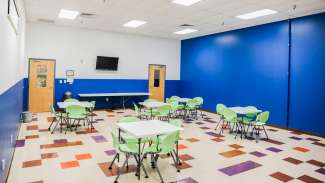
x=63 y=105
x=244 y=110
x=153 y=104
x=142 y=129
x=183 y=100
x=123 y=95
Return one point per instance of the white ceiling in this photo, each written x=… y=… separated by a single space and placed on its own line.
x=164 y=17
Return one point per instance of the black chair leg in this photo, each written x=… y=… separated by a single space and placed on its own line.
x=118 y=171
x=110 y=166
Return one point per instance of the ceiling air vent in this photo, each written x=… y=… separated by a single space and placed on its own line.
x=87 y=15
x=44 y=20
x=186 y=25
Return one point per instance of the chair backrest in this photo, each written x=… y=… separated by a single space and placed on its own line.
x=263 y=117
x=176 y=122
x=52 y=110
x=191 y=103
x=174 y=105
x=164 y=110
x=174 y=97
x=229 y=115
x=136 y=108
x=168 y=143
x=74 y=110
x=128 y=119
x=220 y=108
x=199 y=100
x=115 y=140
x=251 y=114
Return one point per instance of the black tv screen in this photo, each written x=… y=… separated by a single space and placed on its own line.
x=107 y=63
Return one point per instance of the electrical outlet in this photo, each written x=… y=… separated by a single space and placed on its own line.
x=106 y=99
x=60 y=81
x=3 y=166
x=65 y=81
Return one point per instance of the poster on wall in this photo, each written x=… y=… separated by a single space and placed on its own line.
x=13 y=15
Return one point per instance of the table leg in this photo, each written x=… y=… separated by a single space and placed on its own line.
x=139 y=158
x=123 y=102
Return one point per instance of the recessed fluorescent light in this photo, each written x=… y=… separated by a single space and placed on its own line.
x=256 y=14
x=68 y=14
x=134 y=23
x=186 y=2
x=185 y=31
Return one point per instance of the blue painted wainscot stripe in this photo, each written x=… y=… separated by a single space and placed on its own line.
x=105 y=86
x=11 y=103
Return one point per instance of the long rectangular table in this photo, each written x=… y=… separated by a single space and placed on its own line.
x=123 y=95
x=143 y=129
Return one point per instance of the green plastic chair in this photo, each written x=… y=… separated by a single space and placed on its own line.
x=166 y=146
x=57 y=117
x=76 y=113
x=141 y=114
x=199 y=104
x=174 y=107
x=163 y=112
x=250 y=116
x=90 y=112
x=129 y=149
x=71 y=100
x=191 y=108
x=219 y=109
x=261 y=120
x=231 y=118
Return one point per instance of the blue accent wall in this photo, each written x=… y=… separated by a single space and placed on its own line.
x=239 y=68
x=105 y=86
x=11 y=103
x=307 y=96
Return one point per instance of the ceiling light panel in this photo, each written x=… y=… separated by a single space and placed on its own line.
x=185 y=31
x=256 y=14
x=134 y=23
x=68 y=14
x=186 y=2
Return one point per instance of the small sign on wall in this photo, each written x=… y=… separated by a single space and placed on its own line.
x=70 y=76
x=13 y=15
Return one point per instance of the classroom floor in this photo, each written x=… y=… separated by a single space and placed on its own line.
x=83 y=157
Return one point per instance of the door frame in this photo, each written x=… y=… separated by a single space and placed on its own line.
x=41 y=59
x=164 y=78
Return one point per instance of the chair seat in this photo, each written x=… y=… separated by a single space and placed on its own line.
x=129 y=148
x=259 y=123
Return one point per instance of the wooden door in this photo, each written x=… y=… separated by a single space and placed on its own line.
x=157 y=76
x=41 y=82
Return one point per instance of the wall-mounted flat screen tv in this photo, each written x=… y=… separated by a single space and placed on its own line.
x=107 y=63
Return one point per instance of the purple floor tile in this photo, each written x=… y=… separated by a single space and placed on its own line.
x=60 y=141
x=273 y=149
x=110 y=152
x=99 y=138
x=239 y=168
x=321 y=171
x=295 y=138
x=20 y=143
x=186 y=180
x=257 y=154
x=199 y=123
x=212 y=134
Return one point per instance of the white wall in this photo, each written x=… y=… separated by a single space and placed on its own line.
x=12 y=47
x=77 y=49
